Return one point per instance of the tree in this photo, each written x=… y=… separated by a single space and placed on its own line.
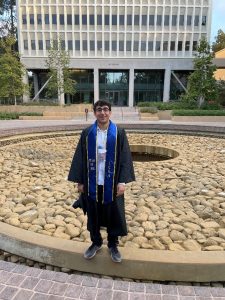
x=7 y=17
x=60 y=81
x=11 y=71
x=219 y=44
x=202 y=85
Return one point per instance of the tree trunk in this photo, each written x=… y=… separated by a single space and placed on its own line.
x=201 y=101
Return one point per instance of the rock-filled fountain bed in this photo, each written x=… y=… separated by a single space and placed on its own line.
x=176 y=204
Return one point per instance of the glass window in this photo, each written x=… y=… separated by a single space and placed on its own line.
x=84 y=43
x=54 y=19
x=166 y=20
x=92 y=45
x=150 y=46
x=70 y=45
x=136 y=20
x=114 y=19
x=25 y=44
x=32 y=19
x=99 y=45
x=203 y=20
x=187 y=45
x=61 y=19
x=174 y=20
x=114 y=45
x=77 y=44
x=69 y=19
x=180 y=45
x=151 y=20
x=144 y=20
x=121 y=17
x=157 y=46
x=46 y=19
x=33 y=45
x=77 y=20
x=121 y=45
x=39 y=19
x=129 y=19
x=181 y=20
x=165 y=46
x=196 y=20
x=48 y=44
x=159 y=20
x=106 y=19
x=136 y=45
x=63 y=45
x=106 y=45
x=91 y=19
x=143 y=46
x=84 y=19
x=128 y=45
x=195 y=45
x=40 y=45
x=24 y=19
x=189 y=19
x=99 y=19
x=172 y=46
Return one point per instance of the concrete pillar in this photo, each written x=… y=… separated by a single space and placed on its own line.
x=26 y=96
x=167 y=80
x=131 y=88
x=36 y=86
x=96 y=85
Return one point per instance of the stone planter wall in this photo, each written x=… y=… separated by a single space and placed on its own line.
x=198 y=118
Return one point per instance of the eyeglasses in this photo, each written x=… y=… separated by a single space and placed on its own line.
x=104 y=109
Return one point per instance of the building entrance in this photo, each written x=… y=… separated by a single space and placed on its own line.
x=117 y=98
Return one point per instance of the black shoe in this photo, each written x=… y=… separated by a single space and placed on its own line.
x=91 y=251
x=115 y=254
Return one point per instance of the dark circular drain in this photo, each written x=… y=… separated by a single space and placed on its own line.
x=152 y=153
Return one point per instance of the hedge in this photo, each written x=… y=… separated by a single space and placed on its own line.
x=15 y=115
x=198 y=112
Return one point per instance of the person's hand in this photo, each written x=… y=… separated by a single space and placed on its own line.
x=120 y=189
x=80 y=188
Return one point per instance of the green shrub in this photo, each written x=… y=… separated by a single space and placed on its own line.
x=151 y=110
x=166 y=105
x=41 y=103
x=198 y=112
x=15 y=115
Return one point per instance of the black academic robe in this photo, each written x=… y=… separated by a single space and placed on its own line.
x=114 y=212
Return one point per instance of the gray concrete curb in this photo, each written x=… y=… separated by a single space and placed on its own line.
x=137 y=263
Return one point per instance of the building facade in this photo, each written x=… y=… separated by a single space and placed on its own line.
x=126 y=51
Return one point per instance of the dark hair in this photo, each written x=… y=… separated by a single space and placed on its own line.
x=101 y=103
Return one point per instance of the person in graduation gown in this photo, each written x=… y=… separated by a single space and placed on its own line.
x=101 y=166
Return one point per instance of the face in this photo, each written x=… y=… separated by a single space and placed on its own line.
x=102 y=114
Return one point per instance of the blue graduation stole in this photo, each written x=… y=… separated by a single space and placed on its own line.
x=92 y=163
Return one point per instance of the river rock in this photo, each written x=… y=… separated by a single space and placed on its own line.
x=213 y=248
x=72 y=230
x=156 y=244
x=221 y=232
x=177 y=236
x=176 y=247
x=210 y=225
x=148 y=226
x=28 y=216
x=191 y=245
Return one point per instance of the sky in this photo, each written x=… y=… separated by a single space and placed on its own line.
x=218 y=17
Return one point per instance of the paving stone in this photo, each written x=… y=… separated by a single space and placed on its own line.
x=202 y=291
x=30 y=283
x=118 y=295
x=73 y=291
x=186 y=291
x=218 y=292
x=54 y=297
x=76 y=279
x=121 y=285
x=39 y=296
x=89 y=293
x=58 y=288
x=104 y=294
x=8 y=293
x=15 y=280
x=1 y=287
x=34 y=272
x=105 y=283
x=20 y=269
x=153 y=288
x=153 y=297
x=4 y=276
x=137 y=296
x=23 y=295
x=60 y=277
x=187 y=298
x=7 y=266
x=204 y=298
x=43 y=286
x=90 y=281
x=169 y=289
x=169 y=297
x=137 y=287
x=45 y=274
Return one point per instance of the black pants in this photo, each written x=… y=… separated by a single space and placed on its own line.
x=96 y=237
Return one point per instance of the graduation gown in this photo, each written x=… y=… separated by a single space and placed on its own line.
x=113 y=214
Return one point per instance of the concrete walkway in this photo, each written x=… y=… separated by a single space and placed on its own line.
x=19 y=282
